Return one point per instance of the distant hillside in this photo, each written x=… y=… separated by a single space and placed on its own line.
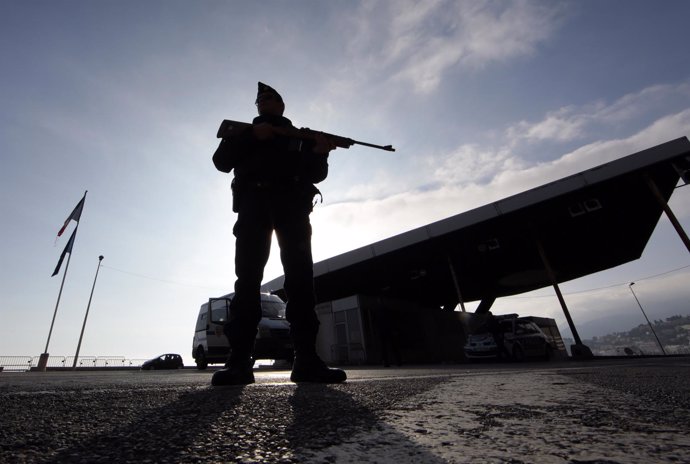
x=674 y=334
x=615 y=321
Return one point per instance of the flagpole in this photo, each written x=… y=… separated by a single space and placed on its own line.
x=43 y=360
x=64 y=275
x=76 y=356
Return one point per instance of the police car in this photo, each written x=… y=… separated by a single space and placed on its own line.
x=508 y=337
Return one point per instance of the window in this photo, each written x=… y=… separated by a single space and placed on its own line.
x=273 y=309
x=220 y=310
x=588 y=206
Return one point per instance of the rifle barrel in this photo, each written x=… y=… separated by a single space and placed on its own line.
x=228 y=125
x=380 y=147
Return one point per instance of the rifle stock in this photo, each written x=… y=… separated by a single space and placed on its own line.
x=229 y=128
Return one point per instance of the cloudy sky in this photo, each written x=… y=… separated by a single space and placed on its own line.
x=481 y=100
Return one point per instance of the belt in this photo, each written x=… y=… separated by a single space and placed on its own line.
x=268 y=184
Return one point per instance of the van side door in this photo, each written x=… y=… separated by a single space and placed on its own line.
x=219 y=313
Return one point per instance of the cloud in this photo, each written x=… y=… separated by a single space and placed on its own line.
x=593 y=154
x=466 y=35
x=472 y=163
x=420 y=42
x=498 y=31
x=523 y=158
x=654 y=97
x=560 y=126
x=578 y=122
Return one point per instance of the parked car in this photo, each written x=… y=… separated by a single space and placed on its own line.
x=508 y=337
x=164 y=361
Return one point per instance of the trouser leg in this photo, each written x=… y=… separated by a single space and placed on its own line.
x=294 y=237
x=252 y=248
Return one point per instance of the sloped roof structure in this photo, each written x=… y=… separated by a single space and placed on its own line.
x=588 y=222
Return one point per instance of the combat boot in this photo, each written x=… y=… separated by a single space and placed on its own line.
x=313 y=369
x=235 y=373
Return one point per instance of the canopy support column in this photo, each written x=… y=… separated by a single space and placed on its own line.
x=456 y=283
x=667 y=209
x=578 y=349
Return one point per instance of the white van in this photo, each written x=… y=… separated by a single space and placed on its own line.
x=272 y=340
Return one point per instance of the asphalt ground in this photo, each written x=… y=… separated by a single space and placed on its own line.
x=602 y=411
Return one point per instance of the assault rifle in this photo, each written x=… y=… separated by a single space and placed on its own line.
x=228 y=128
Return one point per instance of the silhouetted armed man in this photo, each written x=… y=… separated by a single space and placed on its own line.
x=273 y=190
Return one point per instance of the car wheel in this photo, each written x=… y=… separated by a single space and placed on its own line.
x=200 y=359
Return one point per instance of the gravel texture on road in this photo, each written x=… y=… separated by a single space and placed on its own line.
x=627 y=412
x=196 y=424
x=521 y=417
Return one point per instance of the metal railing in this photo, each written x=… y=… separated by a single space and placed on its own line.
x=16 y=363
x=25 y=363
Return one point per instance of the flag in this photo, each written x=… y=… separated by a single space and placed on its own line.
x=68 y=247
x=76 y=214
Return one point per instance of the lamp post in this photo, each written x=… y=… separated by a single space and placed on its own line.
x=645 y=316
x=76 y=356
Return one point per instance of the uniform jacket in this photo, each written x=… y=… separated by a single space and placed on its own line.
x=280 y=160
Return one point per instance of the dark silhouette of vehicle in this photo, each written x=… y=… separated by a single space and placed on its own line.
x=210 y=345
x=164 y=361
x=509 y=337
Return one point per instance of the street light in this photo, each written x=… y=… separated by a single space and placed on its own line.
x=645 y=316
x=76 y=356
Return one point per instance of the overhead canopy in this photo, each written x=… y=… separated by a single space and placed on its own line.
x=587 y=222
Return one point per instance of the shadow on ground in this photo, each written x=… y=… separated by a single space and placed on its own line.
x=258 y=423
